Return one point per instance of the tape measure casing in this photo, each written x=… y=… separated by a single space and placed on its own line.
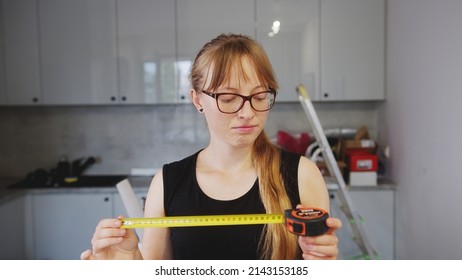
x=306 y=221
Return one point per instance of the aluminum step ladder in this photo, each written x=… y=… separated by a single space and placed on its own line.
x=347 y=208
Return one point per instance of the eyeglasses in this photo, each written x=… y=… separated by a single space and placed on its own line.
x=230 y=103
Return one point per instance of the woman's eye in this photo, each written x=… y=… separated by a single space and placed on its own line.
x=228 y=98
x=261 y=96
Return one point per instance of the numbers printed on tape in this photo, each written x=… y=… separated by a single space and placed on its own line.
x=210 y=220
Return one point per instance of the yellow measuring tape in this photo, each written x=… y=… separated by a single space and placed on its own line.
x=309 y=221
x=207 y=220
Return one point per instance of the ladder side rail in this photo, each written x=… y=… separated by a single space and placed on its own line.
x=347 y=205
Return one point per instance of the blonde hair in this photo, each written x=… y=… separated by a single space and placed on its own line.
x=225 y=53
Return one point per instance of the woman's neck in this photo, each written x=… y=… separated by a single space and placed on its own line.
x=227 y=158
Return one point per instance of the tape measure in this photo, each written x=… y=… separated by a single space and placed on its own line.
x=304 y=221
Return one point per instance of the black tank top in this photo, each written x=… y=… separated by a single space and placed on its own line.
x=183 y=196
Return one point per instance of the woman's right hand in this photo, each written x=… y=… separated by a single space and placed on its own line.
x=110 y=242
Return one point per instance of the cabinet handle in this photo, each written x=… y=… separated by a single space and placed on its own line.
x=332 y=196
x=106 y=199
x=143 y=201
x=124 y=98
x=113 y=98
x=35 y=99
x=326 y=95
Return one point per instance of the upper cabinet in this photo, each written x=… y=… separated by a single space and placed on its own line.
x=65 y=52
x=352 y=50
x=146 y=51
x=78 y=51
x=289 y=32
x=20 y=53
x=199 y=21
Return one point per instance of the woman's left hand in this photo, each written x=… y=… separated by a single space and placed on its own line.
x=322 y=247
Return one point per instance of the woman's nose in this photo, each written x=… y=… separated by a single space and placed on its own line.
x=246 y=111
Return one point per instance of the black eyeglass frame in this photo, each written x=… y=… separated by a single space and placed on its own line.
x=244 y=98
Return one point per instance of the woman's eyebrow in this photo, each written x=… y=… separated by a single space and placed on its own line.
x=236 y=89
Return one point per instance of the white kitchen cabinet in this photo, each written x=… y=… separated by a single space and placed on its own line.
x=146 y=51
x=63 y=223
x=21 y=84
x=352 y=50
x=65 y=52
x=13 y=229
x=199 y=21
x=78 y=51
x=293 y=49
x=376 y=207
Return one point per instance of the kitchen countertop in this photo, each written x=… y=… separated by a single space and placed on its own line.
x=382 y=184
x=139 y=183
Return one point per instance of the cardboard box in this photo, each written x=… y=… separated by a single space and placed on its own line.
x=325 y=170
x=361 y=142
x=363 y=178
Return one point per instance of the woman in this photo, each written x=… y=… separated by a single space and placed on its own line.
x=240 y=171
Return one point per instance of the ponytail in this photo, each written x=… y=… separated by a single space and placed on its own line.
x=276 y=243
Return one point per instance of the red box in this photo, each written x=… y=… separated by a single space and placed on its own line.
x=363 y=162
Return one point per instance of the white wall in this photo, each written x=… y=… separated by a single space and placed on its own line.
x=421 y=121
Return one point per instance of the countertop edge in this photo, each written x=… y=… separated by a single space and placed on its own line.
x=139 y=183
x=142 y=183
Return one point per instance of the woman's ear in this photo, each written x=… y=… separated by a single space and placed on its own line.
x=195 y=99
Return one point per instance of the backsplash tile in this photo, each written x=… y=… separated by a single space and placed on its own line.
x=143 y=136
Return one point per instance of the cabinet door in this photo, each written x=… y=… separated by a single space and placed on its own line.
x=13 y=237
x=64 y=224
x=293 y=47
x=78 y=56
x=22 y=79
x=200 y=21
x=146 y=46
x=376 y=207
x=352 y=49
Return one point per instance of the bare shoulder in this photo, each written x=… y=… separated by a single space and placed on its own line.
x=154 y=206
x=155 y=244
x=311 y=185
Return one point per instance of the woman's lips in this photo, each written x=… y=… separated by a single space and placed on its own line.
x=245 y=128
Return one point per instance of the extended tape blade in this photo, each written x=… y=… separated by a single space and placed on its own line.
x=208 y=220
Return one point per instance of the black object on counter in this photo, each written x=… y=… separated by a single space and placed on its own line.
x=63 y=170
x=39 y=178
x=85 y=165
x=68 y=174
x=37 y=182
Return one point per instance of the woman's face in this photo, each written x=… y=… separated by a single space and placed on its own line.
x=238 y=129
